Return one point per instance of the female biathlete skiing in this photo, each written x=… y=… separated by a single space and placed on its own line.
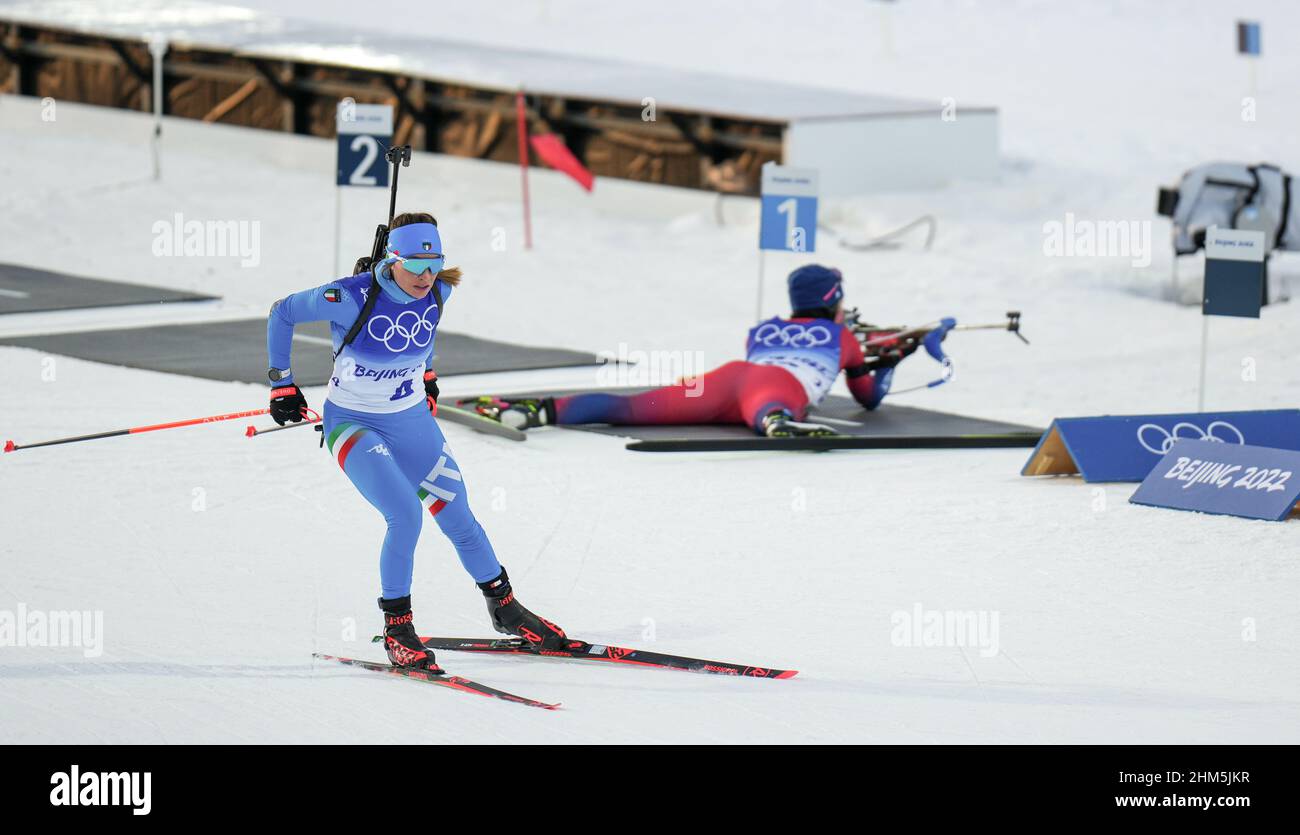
x=379 y=424
x=790 y=365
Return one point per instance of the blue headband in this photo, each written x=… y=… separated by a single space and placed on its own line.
x=414 y=240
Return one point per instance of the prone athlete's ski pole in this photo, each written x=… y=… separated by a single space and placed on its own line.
x=10 y=446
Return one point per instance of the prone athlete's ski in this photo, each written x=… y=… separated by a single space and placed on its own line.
x=479 y=423
x=454 y=682
x=583 y=651
x=994 y=441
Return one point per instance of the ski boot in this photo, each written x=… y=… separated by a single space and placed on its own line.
x=400 y=638
x=528 y=413
x=781 y=424
x=509 y=617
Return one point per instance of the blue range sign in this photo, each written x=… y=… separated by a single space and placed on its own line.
x=1126 y=447
x=788 y=206
x=365 y=133
x=1250 y=481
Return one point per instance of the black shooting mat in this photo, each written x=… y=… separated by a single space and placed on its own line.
x=28 y=290
x=237 y=351
x=841 y=413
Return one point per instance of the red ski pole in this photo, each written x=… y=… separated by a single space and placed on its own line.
x=10 y=446
x=310 y=418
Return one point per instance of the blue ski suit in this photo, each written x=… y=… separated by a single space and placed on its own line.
x=376 y=421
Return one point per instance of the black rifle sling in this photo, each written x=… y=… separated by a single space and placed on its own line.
x=372 y=299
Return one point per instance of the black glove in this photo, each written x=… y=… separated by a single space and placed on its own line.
x=431 y=391
x=287 y=404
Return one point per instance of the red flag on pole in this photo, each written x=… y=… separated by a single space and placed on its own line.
x=551 y=148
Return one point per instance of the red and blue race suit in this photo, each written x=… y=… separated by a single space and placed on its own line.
x=790 y=364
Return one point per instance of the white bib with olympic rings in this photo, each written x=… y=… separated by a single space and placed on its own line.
x=809 y=350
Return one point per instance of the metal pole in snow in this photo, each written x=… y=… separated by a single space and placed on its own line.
x=338 y=227
x=521 y=118
x=158 y=49
x=1205 y=335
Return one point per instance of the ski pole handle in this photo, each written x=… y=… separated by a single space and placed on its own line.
x=10 y=446
x=312 y=418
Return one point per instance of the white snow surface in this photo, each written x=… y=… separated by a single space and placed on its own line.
x=220 y=563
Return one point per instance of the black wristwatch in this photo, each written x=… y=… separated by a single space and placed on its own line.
x=278 y=374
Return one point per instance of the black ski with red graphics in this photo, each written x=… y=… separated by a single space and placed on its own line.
x=583 y=651
x=442 y=680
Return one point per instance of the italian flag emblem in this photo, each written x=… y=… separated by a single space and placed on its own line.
x=333 y=294
x=342 y=440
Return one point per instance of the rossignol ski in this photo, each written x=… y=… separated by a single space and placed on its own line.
x=583 y=651
x=442 y=680
x=478 y=423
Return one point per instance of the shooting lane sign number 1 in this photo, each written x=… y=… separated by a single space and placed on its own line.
x=788 y=219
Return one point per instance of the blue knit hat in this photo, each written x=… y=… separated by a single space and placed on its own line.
x=813 y=286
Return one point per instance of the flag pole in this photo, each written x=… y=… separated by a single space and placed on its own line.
x=521 y=118
x=157 y=51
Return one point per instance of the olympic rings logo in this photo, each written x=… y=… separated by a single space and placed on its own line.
x=400 y=334
x=1166 y=438
x=793 y=335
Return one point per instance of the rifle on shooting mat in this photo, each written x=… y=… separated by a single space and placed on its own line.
x=892 y=342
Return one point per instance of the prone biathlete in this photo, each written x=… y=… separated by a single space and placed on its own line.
x=790 y=365
x=379 y=424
